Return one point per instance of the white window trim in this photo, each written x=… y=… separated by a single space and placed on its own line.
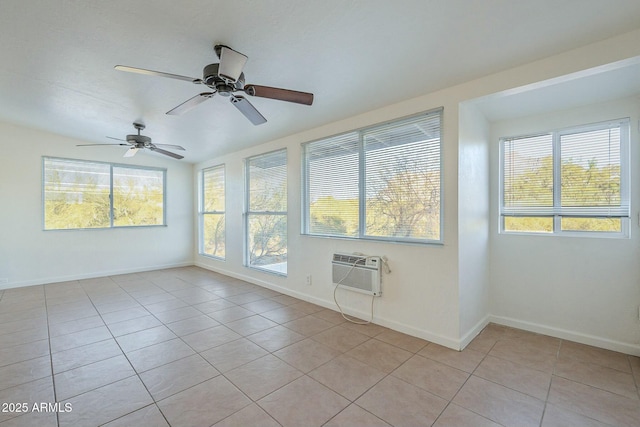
x=202 y=212
x=557 y=211
x=247 y=213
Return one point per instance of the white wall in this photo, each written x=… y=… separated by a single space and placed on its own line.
x=437 y=292
x=581 y=288
x=473 y=221
x=29 y=255
x=420 y=291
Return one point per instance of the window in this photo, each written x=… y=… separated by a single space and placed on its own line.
x=572 y=181
x=212 y=218
x=266 y=212
x=79 y=194
x=378 y=183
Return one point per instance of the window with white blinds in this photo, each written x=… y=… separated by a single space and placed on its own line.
x=78 y=195
x=212 y=212
x=570 y=181
x=382 y=182
x=266 y=212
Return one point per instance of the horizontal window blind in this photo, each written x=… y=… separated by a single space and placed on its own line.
x=138 y=196
x=213 y=185
x=268 y=182
x=332 y=168
x=381 y=182
x=402 y=179
x=591 y=174
x=528 y=175
x=76 y=194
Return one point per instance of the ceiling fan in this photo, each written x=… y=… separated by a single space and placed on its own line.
x=137 y=142
x=226 y=79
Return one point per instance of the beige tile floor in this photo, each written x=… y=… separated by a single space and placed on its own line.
x=189 y=347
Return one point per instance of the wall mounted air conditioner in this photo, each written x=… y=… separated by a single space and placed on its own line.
x=358 y=273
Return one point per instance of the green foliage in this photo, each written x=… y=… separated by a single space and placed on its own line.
x=591 y=185
x=405 y=203
x=214 y=235
x=137 y=205
x=331 y=216
x=267 y=226
x=85 y=204
x=267 y=239
x=534 y=187
x=82 y=205
x=214 y=190
x=528 y=224
x=406 y=206
x=592 y=224
x=581 y=186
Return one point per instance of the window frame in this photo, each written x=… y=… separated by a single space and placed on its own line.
x=246 y=213
x=202 y=213
x=556 y=210
x=111 y=198
x=362 y=173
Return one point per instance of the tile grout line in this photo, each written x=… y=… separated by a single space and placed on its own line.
x=553 y=372
x=304 y=374
x=221 y=374
x=462 y=386
x=189 y=304
x=155 y=403
x=633 y=375
x=196 y=352
x=53 y=377
x=127 y=358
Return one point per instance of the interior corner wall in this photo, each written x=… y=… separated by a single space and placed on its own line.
x=437 y=292
x=585 y=289
x=473 y=222
x=29 y=255
x=420 y=295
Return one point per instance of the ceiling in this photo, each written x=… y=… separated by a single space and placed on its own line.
x=599 y=84
x=57 y=59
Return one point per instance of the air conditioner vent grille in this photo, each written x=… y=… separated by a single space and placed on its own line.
x=349 y=259
x=357 y=273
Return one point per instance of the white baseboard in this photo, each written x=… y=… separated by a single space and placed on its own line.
x=471 y=334
x=578 y=337
x=455 y=344
x=92 y=275
x=391 y=324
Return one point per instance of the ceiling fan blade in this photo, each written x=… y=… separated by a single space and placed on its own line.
x=190 y=103
x=156 y=73
x=249 y=111
x=280 y=94
x=175 y=147
x=131 y=152
x=231 y=64
x=117 y=139
x=166 y=153
x=106 y=145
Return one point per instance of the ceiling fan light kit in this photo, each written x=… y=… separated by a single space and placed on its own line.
x=225 y=79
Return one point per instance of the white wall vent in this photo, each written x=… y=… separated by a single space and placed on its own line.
x=358 y=273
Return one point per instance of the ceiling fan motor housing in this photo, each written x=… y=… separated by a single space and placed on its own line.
x=225 y=79
x=138 y=140
x=211 y=78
